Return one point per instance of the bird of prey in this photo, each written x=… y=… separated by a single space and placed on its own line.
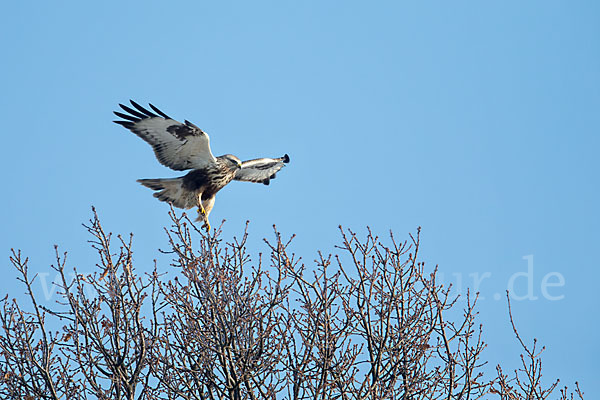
x=184 y=146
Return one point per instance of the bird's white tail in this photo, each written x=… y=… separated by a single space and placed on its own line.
x=171 y=190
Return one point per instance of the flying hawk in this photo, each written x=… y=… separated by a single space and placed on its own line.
x=184 y=146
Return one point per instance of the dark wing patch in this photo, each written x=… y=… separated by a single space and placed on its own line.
x=183 y=131
x=261 y=170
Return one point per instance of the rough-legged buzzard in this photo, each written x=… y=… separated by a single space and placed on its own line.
x=183 y=146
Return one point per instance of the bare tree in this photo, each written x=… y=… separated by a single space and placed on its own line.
x=224 y=331
x=101 y=352
x=370 y=322
x=526 y=382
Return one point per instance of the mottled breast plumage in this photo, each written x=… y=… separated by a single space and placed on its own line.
x=209 y=180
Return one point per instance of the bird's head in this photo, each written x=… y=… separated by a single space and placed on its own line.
x=232 y=161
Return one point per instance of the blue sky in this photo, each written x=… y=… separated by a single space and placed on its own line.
x=473 y=120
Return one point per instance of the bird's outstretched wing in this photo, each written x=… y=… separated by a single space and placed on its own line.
x=261 y=170
x=177 y=145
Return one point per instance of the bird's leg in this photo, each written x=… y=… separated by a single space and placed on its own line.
x=201 y=210
x=204 y=217
x=202 y=213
